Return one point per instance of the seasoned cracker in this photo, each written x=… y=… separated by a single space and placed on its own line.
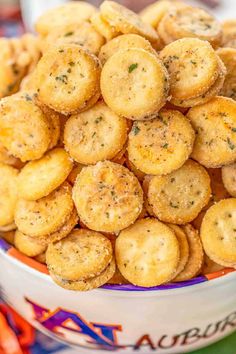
x=147 y=253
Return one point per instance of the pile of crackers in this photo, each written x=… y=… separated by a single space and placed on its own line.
x=118 y=144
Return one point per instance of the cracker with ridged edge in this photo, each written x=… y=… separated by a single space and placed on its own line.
x=196 y=255
x=193 y=67
x=228 y=56
x=83 y=254
x=8 y=192
x=24 y=129
x=125 y=41
x=180 y=196
x=152 y=14
x=126 y=21
x=63 y=15
x=39 y=178
x=134 y=84
x=147 y=253
x=47 y=215
x=183 y=247
x=87 y=284
x=95 y=135
x=229 y=178
x=215 y=125
x=218 y=232
x=213 y=91
x=194 y=22
x=67 y=77
x=65 y=229
x=161 y=145
x=108 y=197
x=103 y=27
x=83 y=34
x=30 y=246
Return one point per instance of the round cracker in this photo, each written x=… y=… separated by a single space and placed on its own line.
x=228 y=56
x=196 y=255
x=65 y=229
x=108 y=197
x=162 y=145
x=126 y=21
x=145 y=186
x=193 y=67
x=67 y=78
x=180 y=196
x=147 y=253
x=134 y=84
x=83 y=34
x=218 y=232
x=63 y=15
x=103 y=27
x=39 y=178
x=83 y=254
x=87 y=284
x=215 y=125
x=44 y=216
x=24 y=129
x=213 y=91
x=229 y=178
x=183 y=247
x=8 y=159
x=153 y=14
x=125 y=41
x=186 y=21
x=218 y=190
x=8 y=193
x=30 y=246
x=95 y=135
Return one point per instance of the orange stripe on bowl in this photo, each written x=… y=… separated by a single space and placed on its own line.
x=28 y=261
x=220 y=273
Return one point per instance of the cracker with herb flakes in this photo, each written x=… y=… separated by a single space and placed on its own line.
x=108 y=197
x=196 y=255
x=8 y=192
x=147 y=253
x=229 y=178
x=103 y=27
x=125 y=41
x=126 y=21
x=30 y=246
x=193 y=67
x=134 y=84
x=67 y=77
x=71 y=12
x=44 y=216
x=161 y=145
x=39 y=178
x=218 y=232
x=180 y=196
x=213 y=91
x=87 y=284
x=24 y=128
x=214 y=123
x=83 y=34
x=95 y=135
x=228 y=56
x=186 y=21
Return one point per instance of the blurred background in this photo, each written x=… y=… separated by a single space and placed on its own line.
x=11 y=18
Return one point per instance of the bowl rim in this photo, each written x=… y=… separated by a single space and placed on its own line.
x=31 y=265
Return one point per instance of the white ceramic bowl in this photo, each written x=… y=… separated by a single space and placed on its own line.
x=175 y=318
